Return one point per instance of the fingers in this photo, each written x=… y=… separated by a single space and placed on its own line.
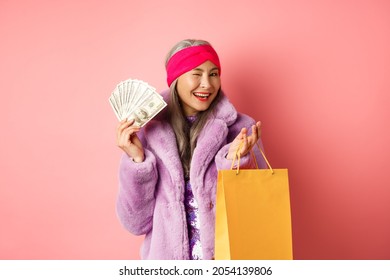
x=121 y=126
x=126 y=137
x=250 y=141
x=136 y=140
x=256 y=133
x=124 y=124
x=124 y=132
x=233 y=149
x=128 y=140
x=240 y=135
x=245 y=146
x=258 y=125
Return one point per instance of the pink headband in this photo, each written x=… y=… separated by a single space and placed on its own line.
x=188 y=58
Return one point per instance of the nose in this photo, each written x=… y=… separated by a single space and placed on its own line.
x=205 y=82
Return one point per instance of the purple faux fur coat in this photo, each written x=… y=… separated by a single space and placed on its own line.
x=151 y=193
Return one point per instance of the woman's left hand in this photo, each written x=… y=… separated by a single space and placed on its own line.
x=248 y=141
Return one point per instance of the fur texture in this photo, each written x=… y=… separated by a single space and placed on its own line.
x=151 y=194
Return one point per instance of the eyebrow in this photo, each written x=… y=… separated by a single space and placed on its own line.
x=200 y=69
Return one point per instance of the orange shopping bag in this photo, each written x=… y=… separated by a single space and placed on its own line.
x=253 y=218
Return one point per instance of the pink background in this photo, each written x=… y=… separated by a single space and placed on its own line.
x=316 y=73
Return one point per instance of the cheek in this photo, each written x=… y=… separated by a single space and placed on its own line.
x=187 y=82
x=217 y=83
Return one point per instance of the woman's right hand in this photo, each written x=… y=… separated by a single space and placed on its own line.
x=128 y=140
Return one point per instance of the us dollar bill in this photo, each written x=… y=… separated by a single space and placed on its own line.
x=147 y=110
x=135 y=99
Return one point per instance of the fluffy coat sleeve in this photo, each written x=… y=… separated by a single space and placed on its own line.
x=136 y=198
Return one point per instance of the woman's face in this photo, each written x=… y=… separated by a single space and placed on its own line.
x=198 y=88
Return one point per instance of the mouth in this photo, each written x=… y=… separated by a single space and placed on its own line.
x=202 y=96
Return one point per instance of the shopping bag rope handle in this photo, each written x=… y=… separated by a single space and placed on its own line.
x=237 y=156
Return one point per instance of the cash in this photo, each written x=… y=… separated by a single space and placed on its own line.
x=136 y=99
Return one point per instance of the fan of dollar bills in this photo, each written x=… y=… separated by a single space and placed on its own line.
x=135 y=99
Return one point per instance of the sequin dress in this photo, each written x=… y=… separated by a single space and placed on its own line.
x=192 y=213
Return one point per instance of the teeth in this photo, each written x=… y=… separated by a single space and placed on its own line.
x=202 y=94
